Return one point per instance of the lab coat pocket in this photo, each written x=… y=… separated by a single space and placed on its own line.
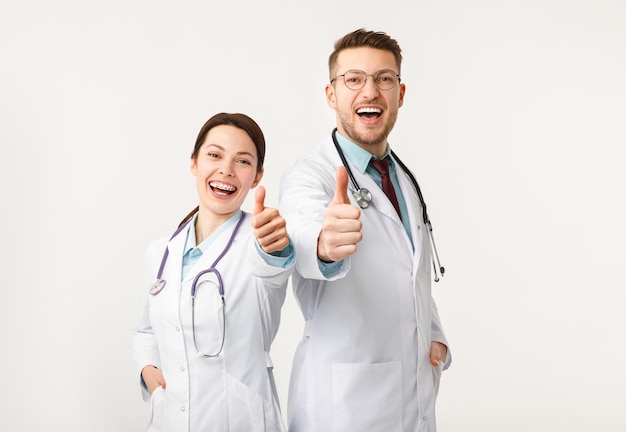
x=250 y=412
x=367 y=397
x=157 y=408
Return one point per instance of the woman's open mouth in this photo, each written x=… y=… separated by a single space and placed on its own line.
x=222 y=188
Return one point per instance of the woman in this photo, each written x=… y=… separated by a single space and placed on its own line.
x=208 y=320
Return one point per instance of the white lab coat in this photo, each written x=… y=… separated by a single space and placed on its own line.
x=234 y=392
x=363 y=362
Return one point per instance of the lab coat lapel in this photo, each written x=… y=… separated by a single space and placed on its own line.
x=379 y=199
x=414 y=207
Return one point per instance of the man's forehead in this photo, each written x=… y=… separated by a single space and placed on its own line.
x=367 y=59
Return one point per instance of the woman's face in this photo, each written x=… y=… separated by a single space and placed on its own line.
x=225 y=170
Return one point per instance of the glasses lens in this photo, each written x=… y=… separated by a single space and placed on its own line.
x=386 y=80
x=354 y=79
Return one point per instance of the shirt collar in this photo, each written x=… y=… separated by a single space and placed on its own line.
x=359 y=157
x=190 y=242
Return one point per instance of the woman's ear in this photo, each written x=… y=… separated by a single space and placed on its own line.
x=257 y=178
x=193 y=166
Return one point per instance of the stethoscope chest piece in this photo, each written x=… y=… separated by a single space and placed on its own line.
x=157 y=286
x=363 y=197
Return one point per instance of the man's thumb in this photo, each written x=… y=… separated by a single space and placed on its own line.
x=259 y=200
x=341 y=186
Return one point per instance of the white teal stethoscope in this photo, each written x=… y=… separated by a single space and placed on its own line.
x=159 y=284
x=363 y=198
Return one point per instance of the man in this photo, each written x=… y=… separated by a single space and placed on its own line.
x=373 y=347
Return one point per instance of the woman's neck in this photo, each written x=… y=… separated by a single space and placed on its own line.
x=208 y=222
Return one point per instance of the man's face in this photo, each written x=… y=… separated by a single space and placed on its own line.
x=367 y=115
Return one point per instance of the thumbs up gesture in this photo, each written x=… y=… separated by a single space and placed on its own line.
x=341 y=228
x=270 y=228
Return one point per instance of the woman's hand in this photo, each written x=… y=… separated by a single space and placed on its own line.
x=153 y=378
x=270 y=228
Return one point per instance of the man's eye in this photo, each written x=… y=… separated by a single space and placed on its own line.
x=387 y=78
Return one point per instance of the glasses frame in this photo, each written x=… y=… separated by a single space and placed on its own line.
x=375 y=75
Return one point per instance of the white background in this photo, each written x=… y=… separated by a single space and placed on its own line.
x=513 y=122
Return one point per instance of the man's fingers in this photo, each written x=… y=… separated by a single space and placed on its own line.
x=341 y=186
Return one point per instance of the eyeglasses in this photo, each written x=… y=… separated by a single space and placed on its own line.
x=355 y=79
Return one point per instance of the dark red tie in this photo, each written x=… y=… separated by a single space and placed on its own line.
x=382 y=166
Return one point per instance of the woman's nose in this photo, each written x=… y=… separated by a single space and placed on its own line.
x=226 y=168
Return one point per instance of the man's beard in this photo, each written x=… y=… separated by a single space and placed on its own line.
x=367 y=139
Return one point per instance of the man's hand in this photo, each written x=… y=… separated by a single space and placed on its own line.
x=341 y=229
x=438 y=352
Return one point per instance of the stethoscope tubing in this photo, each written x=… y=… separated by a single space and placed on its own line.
x=363 y=197
x=159 y=284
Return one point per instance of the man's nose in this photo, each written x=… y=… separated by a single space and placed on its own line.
x=370 y=87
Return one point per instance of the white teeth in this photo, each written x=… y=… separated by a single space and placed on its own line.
x=222 y=186
x=368 y=110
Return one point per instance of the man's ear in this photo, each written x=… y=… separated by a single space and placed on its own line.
x=401 y=97
x=330 y=96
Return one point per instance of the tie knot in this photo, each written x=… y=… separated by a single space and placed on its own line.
x=381 y=165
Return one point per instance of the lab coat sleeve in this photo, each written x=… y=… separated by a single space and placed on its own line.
x=275 y=272
x=271 y=281
x=145 y=349
x=437 y=334
x=306 y=189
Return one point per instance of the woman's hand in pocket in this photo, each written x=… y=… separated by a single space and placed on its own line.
x=153 y=377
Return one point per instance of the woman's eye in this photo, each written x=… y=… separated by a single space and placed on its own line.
x=212 y=155
x=244 y=161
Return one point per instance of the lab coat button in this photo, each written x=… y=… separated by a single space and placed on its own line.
x=182 y=368
x=182 y=408
x=424 y=418
x=177 y=329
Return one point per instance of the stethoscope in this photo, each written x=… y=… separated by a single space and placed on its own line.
x=159 y=284
x=363 y=198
